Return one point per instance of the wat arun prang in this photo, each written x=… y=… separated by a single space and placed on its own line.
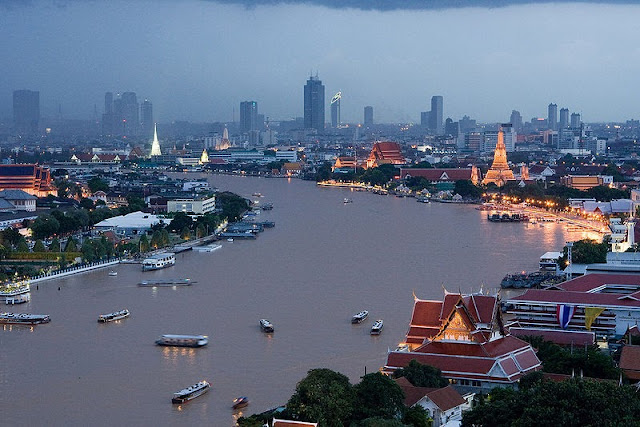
x=499 y=173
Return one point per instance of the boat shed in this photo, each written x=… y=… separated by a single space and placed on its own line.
x=129 y=224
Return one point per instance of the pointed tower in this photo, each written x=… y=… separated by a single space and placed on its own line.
x=500 y=172
x=204 y=158
x=155 y=146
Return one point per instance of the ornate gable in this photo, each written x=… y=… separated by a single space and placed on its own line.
x=459 y=327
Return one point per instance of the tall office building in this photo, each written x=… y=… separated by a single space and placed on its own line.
x=248 y=116
x=552 y=117
x=564 y=118
x=146 y=124
x=26 y=111
x=368 y=116
x=314 y=104
x=335 y=110
x=516 y=120
x=575 y=121
x=424 y=119
x=108 y=118
x=436 y=115
x=130 y=113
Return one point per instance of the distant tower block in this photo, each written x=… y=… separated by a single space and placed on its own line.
x=500 y=172
x=335 y=110
x=155 y=146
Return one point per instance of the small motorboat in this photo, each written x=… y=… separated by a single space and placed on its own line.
x=266 y=326
x=345 y=201
x=358 y=318
x=240 y=402
x=113 y=273
x=377 y=327
x=230 y=239
x=190 y=392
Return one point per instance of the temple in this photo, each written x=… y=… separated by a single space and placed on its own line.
x=499 y=173
x=464 y=337
x=155 y=146
x=30 y=178
x=385 y=153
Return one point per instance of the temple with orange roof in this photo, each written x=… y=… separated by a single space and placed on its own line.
x=384 y=153
x=464 y=337
x=500 y=172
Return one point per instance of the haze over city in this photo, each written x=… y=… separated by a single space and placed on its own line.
x=196 y=60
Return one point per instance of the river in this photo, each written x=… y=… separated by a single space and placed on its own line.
x=323 y=262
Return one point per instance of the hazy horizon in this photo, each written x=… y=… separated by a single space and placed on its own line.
x=197 y=60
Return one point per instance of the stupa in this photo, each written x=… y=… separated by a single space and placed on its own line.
x=155 y=146
x=499 y=173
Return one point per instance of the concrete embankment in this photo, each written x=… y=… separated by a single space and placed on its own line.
x=73 y=270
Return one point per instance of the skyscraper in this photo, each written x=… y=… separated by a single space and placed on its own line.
x=335 y=110
x=436 y=116
x=575 y=121
x=314 y=104
x=146 y=112
x=368 y=116
x=108 y=118
x=130 y=114
x=248 y=116
x=26 y=111
x=552 y=117
x=564 y=118
x=516 y=120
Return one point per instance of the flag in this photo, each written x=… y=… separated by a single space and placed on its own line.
x=564 y=313
x=590 y=314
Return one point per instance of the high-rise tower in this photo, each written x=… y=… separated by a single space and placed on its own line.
x=314 y=104
x=436 y=115
x=248 y=116
x=564 y=118
x=26 y=111
x=368 y=116
x=335 y=110
x=146 y=112
x=552 y=117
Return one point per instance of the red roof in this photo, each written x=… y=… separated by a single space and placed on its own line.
x=288 y=423
x=446 y=398
x=446 y=363
x=557 y=336
x=481 y=307
x=578 y=298
x=588 y=282
x=630 y=361
x=426 y=313
x=441 y=174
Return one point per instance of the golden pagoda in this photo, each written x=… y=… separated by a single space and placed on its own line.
x=499 y=173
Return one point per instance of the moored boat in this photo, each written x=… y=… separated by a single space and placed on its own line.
x=18 y=299
x=346 y=200
x=377 y=327
x=24 y=318
x=240 y=402
x=113 y=273
x=190 y=392
x=166 y=282
x=207 y=248
x=14 y=289
x=266 y=326
x=158 y=261
x=357 y=318
x=112 y=317
x=183 y=340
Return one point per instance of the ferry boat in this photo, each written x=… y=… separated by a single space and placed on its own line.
x=267 y=206
x=113 y=273
x=240 y=402
x=377 y=327
x=112 y=317
x=191 y=392
x=24 y=318
x=18 y=299
x=166 y=282
x=257 y=195
x=14 y=289
x=266 y=326
x=207 y=248
x=158 y=261
x=183 y=340
x=358 y=318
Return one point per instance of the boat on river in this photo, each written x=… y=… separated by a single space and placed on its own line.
x=358 y=318
x=158 y=261
x=18 y=299
x=166 y=283
x=24 y=318
x=207 y=248
x=240 y=402
x=113 y=273
x=112 y=317
x=266 y=326
x=376 y=329
x=183 y=340
x=14 y=289
x=345 y=201
x=191 y=392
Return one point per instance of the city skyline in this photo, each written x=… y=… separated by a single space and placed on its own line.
x=207 y=80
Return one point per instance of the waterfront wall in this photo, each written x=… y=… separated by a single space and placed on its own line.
x=74 y=270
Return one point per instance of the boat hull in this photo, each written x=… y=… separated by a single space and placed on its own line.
x=191 y=396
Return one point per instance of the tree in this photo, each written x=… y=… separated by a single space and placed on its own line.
x=87 y=204
x=185 y=233
x=416 y=416
x=97 y=184
x=586 y=251
x=323 y=396
x=201 y=231
x=71 y=245
x=144 y=243
x=465 y=188
x=22 y=246
x=378 y=396
x=44 y=226
x=88 y=251
x=156 y=239
x=422 y=375
x=232 y=205
x=39 y=246
x=54 y=246
x=180 y=221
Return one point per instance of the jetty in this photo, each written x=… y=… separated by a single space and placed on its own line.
x=167 y=282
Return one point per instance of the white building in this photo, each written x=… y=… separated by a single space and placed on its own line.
x=287 y=155
x=199 y=206
x=20 y=200
x=133 y=223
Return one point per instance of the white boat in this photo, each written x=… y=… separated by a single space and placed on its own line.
x=377 y=327
x=358 y=318
x=112 y=317
x=266 y=326
x=257 y=195
x=113 y=273
x=190 y=392
x=18 y=299
x=207 y=248
x=24 y=318
x=158 y=261
x=14 y=289
x=345 y=201
x=230 y=239
x=183 y=340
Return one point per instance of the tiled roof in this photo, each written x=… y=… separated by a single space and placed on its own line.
x=557 y=336
x=16 y=195
x=594 y=280
x=579 y=298
x=630 y=361
x=481 y=307
x=441 y=174
x=446 y=363
x=446 y=398
x=426 y=313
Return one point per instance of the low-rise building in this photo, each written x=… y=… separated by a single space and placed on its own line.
x=19 y=199
x=198 y=206
x=438 y=175
x=129 y=224
x=442 y=404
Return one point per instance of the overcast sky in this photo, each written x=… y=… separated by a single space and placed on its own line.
x=196 y=59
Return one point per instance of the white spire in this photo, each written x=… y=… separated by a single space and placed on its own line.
x=225 y=134
x=155 y=146
x=204 y=158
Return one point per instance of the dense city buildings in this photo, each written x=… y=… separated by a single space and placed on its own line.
x=26 y=111
x=368 y=116
x=314 y=104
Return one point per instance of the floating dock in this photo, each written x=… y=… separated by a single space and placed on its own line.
x=166 y=282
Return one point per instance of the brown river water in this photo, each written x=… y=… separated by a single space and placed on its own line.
x=323 y=262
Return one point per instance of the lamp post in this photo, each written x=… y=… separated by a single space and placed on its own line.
x=569 y=246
